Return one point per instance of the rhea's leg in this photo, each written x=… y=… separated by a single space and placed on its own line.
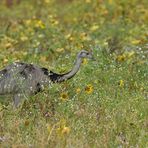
x=18 y=98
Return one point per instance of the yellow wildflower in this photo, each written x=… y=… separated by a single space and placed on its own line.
x=94 y=27
x=75 y=19
x=69 y=37
x=84 y=36
x=131 y=54
x=121 y=83
x=110 y=1
x=41 y=36
x=89 y=89
x=60 y=49
x=88 y=1
x=104 y=11
x=135 y=42
x=65 y=130
x=39 y=24
x=24 y=38
x=64 y=96
x=8 y=45
x=62 y=128
x=5 y=61
x=78 y=90
x=24 y=53
x=141 y=89
x=121 y=58
x=84 y=61
x=54 y=22
x=47 y=1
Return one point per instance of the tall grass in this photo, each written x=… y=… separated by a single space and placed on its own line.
x=105 y=104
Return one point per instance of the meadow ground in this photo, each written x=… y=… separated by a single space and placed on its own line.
x=106 y=104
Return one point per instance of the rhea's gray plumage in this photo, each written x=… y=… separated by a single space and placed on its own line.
x=22 y=80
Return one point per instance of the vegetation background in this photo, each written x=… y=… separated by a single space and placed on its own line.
x=106 y=103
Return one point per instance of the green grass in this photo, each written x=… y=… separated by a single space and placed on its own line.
x=50 y=33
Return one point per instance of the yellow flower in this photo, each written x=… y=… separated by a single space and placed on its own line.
x=121 y=58
x=94 y=27
x=131 y=54
x=75 y=19
x=141 y=89
x=54 y=22
x=41 y=36
x=88 y=1
x=65 y=130
x=69 y=37
x=135 y=42
x=84 y=61
x=84 y=37
x=47 y=1
x=78 y=90
x=89 y=89
x=5 y=61
x=39 y=24
x=8 y=45
x=60 y=49
x=110 y=1
x=64 y=96
x=24 y=38
x=62 y=128
x=121 y=83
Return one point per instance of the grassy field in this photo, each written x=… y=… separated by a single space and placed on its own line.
x=106 y=104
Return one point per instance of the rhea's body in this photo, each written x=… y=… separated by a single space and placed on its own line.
x=23 y=80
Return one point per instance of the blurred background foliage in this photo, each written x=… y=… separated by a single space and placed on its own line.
x=46 y=26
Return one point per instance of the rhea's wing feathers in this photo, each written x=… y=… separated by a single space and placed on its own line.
x=54 y=77
x=3 y=72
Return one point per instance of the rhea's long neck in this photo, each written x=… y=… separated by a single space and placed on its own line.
x=62 y=77
x=74 y=70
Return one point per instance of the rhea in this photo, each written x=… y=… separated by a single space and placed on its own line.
x=22 y=80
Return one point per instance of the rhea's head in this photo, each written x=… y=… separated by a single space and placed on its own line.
x=85 y=54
